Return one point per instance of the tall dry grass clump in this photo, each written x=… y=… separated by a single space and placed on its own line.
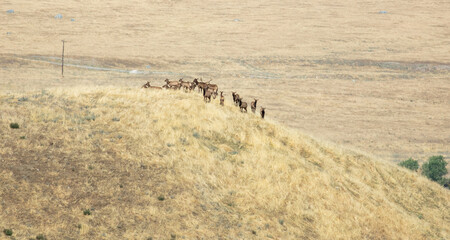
x=164 y=164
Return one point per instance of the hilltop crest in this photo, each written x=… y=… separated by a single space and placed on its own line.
x=164 y=164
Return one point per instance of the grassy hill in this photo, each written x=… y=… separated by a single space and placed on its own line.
x=165 y=165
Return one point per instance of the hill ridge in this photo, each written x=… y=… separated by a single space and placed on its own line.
x=163 y=163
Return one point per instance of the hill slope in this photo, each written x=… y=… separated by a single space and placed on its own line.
x=163 y=164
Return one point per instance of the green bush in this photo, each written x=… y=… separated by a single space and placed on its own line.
x=87 y=212
x=8 y=232
x=14 y=125
x=434 y=169
x=410 y=164
x=41 y=237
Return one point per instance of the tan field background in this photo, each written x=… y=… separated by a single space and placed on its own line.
x=340 y=71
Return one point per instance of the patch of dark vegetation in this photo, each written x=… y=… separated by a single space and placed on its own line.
x=90 y=117
x=87 y=212
x=23 y=137
x=173 y=236
x=281 y=221
x=22 y=99
x=435 y=169
x=14 y=125
x=196 y=135
x=8 y=232
x=41 y=237
x=161 y=198
x=410 y=164
x=116 y=119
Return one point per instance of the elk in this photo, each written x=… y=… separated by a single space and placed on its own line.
x=222 y=99
x=213 y=87
x=193 y=84
x=207 y=94
x=201 y=85
x=253 y=105
x=263 y=112
x=242 y=105
x=236 y=101
x=172 y=84
x=185 y=85
x=147 y=85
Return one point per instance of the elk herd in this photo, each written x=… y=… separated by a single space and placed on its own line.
x=209 y=91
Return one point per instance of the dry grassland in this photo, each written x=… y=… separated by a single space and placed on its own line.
x=222 y=174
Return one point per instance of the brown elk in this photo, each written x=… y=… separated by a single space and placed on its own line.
x=194 y=84
x=253 y=105
x=185 y=85
x=201 y=85
x=222 y=99
x=172 y=84
x=147 y=85
x=214 y=88
x=242 y=105
x=263 y=112
x=236 y=101
x=233 y=94
x=207 y=95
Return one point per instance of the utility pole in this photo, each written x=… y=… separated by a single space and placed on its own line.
x=62 y=62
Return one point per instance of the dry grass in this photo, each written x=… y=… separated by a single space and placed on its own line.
x=222 y=174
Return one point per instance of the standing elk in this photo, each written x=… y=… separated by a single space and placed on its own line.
x=185 y=85
x=201 y=85
x=213 y=88
x=193 y=84
x=242 y=105
x=253 y=105
x=172 y=84
x=236 y=99
x=207 y=95
x=262 y=112
x=222 y=99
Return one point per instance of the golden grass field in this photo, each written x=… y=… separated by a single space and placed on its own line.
x=348 y=93
x=222 y=174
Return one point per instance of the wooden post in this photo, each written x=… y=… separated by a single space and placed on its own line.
x=62 y=60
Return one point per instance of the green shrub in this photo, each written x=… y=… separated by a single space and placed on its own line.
x=41 y=237
x=410 y=164
x=161 y=198
x=87 y=212
x=434 y=169
x=8 y=232
x=14 y=125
